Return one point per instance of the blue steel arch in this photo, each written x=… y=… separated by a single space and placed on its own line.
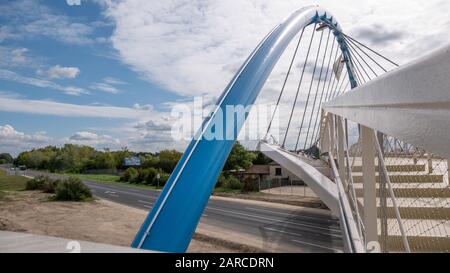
x=171 y=223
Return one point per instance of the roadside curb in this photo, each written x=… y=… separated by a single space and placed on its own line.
x=296 y=203
x=243 y=248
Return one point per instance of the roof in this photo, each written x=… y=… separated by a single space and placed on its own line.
x=258 y=169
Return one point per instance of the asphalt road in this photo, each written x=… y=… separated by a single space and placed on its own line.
x=293 y=230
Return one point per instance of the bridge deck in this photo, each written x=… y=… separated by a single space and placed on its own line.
x=15 y=242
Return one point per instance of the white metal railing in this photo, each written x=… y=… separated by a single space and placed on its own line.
x=351 y=222
x=382 y=165
x=411 y=107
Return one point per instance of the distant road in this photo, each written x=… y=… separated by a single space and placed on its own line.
x=302 y=230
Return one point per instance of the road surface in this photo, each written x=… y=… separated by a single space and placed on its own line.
x=302 y=230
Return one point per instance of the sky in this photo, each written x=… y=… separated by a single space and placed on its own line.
x=107 y=73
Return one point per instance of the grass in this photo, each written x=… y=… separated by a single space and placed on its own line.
x=115 y=180
x=111 y=180
x=10 y=183
x=97 y=177
x=226 y=190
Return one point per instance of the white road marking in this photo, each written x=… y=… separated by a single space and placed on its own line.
x=293 y=214
x=145 y=202
x=112 y=193
x=320 y=246
x=149 y=207
x=301 y=242
x=281 y=221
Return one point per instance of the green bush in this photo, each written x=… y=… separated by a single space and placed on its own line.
x=50 y=185
x=162 y=179
x=72 y=189
x=130 y=175
x=37 y=183
x=232 y=183
x=250 y=184
x=150 y=176
x=220 y=180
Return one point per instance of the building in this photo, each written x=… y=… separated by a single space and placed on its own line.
x=272 y=172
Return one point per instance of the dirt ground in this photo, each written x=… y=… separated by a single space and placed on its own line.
x=97 y=221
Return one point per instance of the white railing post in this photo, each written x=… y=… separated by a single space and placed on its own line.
x=324 y=132
x=448 y=171
x=430 y=163
x=340 y=149
x=369 y=185
x=383 y=170
x=332 y=132
x=382 y=196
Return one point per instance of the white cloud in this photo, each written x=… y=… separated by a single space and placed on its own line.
x=93 y=139
x=18 y=57
x=8 y=135
x=195 y=47
x=12 y=140
x=73 y=2
x=42 y=107
x=60 y=72
x=13 y=76
x=108 y=85
x=105 y=87
x=113 y=81
x=27 y=19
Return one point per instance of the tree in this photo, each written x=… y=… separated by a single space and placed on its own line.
x=130 y=175
x=239 y=158
x=119 y=157
x=168 y=159
x=261 y=159
x=6 y=158
x=104 y=160
x=150 y=161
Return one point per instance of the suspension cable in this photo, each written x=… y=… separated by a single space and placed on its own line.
x=363 y=45
x=317 y=90
x=331 y=83
x=338 y=86
x=365 y=53
x=284 y=83
x=300 y=83
x=366 y=47
x=323 y=90
x=362 y=67
x=356 y=51
x=356 y=71
x=310 y=88
x=335 y=78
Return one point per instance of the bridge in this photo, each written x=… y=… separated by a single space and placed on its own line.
x=371 y=140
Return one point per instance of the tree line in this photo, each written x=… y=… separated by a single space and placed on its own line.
x=155 y=168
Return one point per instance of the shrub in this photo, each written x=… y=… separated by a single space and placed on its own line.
x=250 y=184
x=50 y=185
x=37 y=183
x=72 y=189
x=220 y=180
x=150 y=176
x=232 y=183
x=162 y=179
x=130 y=175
